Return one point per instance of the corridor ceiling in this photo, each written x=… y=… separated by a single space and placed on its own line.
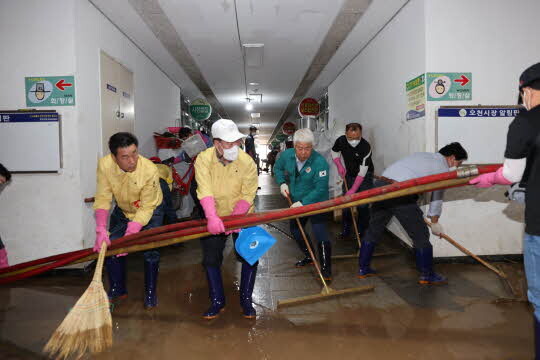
x=201 y=46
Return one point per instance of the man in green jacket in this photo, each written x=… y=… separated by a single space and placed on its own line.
x=303 y=175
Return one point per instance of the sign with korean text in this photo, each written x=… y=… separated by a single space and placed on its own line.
x=200 y=109
x=416 y=97
x=50 y=91
x=288 y=128
x=449 y=86
x=309 y=107
x=482 y=112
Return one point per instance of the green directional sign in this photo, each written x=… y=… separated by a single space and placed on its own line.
x=49 y=91
x=200 y=109
x=449 y=86
x=281 y=137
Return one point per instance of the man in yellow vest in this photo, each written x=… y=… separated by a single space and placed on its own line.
x=227 y=184
x=133 y=182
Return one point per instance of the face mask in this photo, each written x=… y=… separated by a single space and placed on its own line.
x=231 y=154
x=353 y=143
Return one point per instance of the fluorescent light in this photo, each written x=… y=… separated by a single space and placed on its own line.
x=254 y=54
x=254 y=83
x=255 y=115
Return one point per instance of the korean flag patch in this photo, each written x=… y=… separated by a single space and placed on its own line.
x=322 y=173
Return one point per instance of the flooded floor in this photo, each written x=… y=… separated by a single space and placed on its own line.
x=398 y=320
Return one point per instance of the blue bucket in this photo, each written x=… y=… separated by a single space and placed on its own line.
x=253 y=242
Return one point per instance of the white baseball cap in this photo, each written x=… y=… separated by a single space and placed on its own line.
x=226 y=130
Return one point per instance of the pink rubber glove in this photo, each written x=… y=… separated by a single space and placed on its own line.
x=3 y=258
x=102 y=235
x=341 y=170
x=215 y=225
x=490 y=179
x=357 y=182
x=133 y=227
x=240 y=208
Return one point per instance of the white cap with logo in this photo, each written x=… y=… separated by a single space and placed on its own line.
x=226 y=130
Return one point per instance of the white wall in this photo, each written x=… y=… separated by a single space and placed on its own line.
x=487 y=38
x=44 y=214
x=371 y=90
x=157 y=99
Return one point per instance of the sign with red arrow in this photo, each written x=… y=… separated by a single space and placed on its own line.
x=50 y=91
x=449 y=86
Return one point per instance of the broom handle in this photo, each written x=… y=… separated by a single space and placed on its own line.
x=468 y=252
x=353 y=217
x=99 y=265
x=309 y=248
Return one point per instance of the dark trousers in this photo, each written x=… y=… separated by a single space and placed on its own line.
x=318 y=228
x=213 y=247
x=198 y=210
x=168 y=210
x=408 y=213
x=362 y=218
x=118 y=226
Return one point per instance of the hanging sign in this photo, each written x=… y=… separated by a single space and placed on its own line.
x=50 y=91
x=200 y=109
x=309 y=107
x=416 y=97
x=288 y=128
x=449 y=86
x=281 y=137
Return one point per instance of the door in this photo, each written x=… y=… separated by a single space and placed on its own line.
x=117 y=100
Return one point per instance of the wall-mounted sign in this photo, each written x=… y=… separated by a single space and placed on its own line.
x=288 y=128
x=200 y=109
x=281 y=137
x=50 y=91
x=309 y=107
x=449 y=86
x=416 y=97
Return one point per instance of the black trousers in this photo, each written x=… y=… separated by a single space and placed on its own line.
x=213 y=247
x=363 y=210
x=408 y=213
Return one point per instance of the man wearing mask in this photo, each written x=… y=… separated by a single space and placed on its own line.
x=522 y=165
x=227 y=184
x=358 y=172
x=407 y=211
x=133 y=182
x=302 y=174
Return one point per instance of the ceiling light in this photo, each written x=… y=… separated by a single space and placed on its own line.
x=249 y=106
x=254 y=83
x=253 y=54
x=255 y=115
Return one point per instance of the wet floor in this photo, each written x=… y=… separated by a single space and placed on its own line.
x=398 y=320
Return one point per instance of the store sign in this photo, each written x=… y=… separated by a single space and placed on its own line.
x=309 y=107
x=50 y=91
x=200 y=109
x=288 y=128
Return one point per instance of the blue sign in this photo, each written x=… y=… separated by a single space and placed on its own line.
x=30 y=116
x=478 y=112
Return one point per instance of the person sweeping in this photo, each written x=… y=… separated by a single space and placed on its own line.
x=227 y=184
x=302 y=174
x=133 y=182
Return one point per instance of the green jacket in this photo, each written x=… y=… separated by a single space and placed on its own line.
x=309 y=185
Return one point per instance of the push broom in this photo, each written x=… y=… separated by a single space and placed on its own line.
x=88 y=325
x=326 y=291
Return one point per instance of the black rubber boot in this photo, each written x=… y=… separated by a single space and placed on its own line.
x=325 y=259
x=215 y=289
x=247 y=283
x=307 y=260
x=116 y=271
x=151 y=271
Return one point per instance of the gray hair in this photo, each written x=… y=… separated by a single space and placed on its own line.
x=303 y=135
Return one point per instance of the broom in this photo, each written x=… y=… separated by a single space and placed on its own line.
x=88 y=325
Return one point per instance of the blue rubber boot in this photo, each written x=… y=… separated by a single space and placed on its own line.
x=247 y=283
x=151 y=271
x=217 y=297
x=116 y=271
x=537 y=338
x=424 y=263
x=364 y=260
